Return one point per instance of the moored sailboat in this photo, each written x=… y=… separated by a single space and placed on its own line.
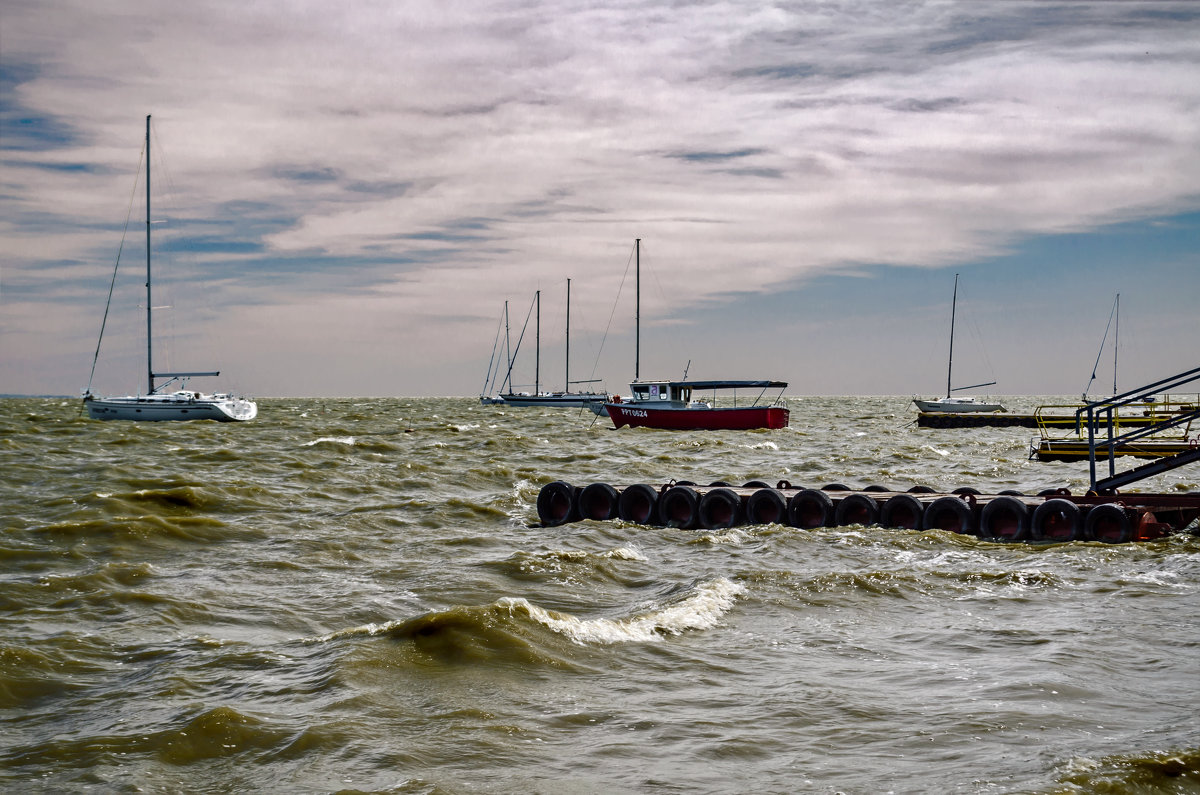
x=957 y=404
x=156 y=405
x=539 y=398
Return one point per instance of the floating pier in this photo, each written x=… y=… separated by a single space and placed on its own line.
x=1079 y=449
x=1051 y=516
x=997 y=419
x=1139 y=412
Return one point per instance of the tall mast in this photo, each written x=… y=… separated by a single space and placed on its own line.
x=507 y=349
x=567 y=375
x=537 y=345
x=149 y=303
x=1116 y=340
x=953 y=306
x=637 y=339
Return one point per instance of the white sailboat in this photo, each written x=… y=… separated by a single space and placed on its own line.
x=957 y=404
x=488 y=395
x=539 y=398
x=157 y=405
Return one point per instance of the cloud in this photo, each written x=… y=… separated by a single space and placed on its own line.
x=435 y=158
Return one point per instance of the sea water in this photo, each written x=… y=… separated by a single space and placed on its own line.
x=355 y=595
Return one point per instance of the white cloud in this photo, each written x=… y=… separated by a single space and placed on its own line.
x=444 y=156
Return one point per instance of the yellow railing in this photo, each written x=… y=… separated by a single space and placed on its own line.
x=1061 y=416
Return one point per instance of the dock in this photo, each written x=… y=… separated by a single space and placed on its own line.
x=1052 y=516
x=1141 y=412
x=1079 y=450
x=1102 y=515
x=998 y=419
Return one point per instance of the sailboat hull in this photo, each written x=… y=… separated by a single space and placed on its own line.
x=558 y=399
x=175 y=407
x=957 y=405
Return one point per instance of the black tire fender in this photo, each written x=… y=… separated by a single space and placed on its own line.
x=639 y=504
x=766 y=506
x=1005 y=518
x=720 y=508
x=556 y=503
x=950 y=514
x=1055 y=520
x=1109 y=523
x=810 y=508
x=856 y=509
x=597 y=501
x=902 y=511
x=679 y=506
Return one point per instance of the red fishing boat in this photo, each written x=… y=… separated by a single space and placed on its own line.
x=670 y=405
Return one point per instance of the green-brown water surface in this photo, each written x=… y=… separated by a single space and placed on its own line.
x=354 y=594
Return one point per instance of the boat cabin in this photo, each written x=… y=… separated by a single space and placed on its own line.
x=656 y=391
x=679 y=393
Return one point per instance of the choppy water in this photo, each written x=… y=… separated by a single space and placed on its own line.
x=352 y=595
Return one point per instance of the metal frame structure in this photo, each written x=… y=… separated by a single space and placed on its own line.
x=1106 y=409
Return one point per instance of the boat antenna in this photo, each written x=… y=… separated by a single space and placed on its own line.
x=685 y=370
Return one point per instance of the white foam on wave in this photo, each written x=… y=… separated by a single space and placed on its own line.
x=702 y=609
x=470 y=426
x=1166 y=578
x=626 y=553
x=350 y=632
x=335 y=439
x=760 y=446
x=732 y=535
x=520 y=502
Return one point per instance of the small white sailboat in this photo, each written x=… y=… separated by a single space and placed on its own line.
x=957 y=404
x=156 y=405
x=538 y=398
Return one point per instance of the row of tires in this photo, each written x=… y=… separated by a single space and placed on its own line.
x=1004 y=517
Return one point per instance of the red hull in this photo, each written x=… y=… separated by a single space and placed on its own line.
x=733 y=418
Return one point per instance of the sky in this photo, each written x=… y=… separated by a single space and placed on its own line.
x=344 y=198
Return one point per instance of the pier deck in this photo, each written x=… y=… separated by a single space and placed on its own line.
x=1051 y=516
